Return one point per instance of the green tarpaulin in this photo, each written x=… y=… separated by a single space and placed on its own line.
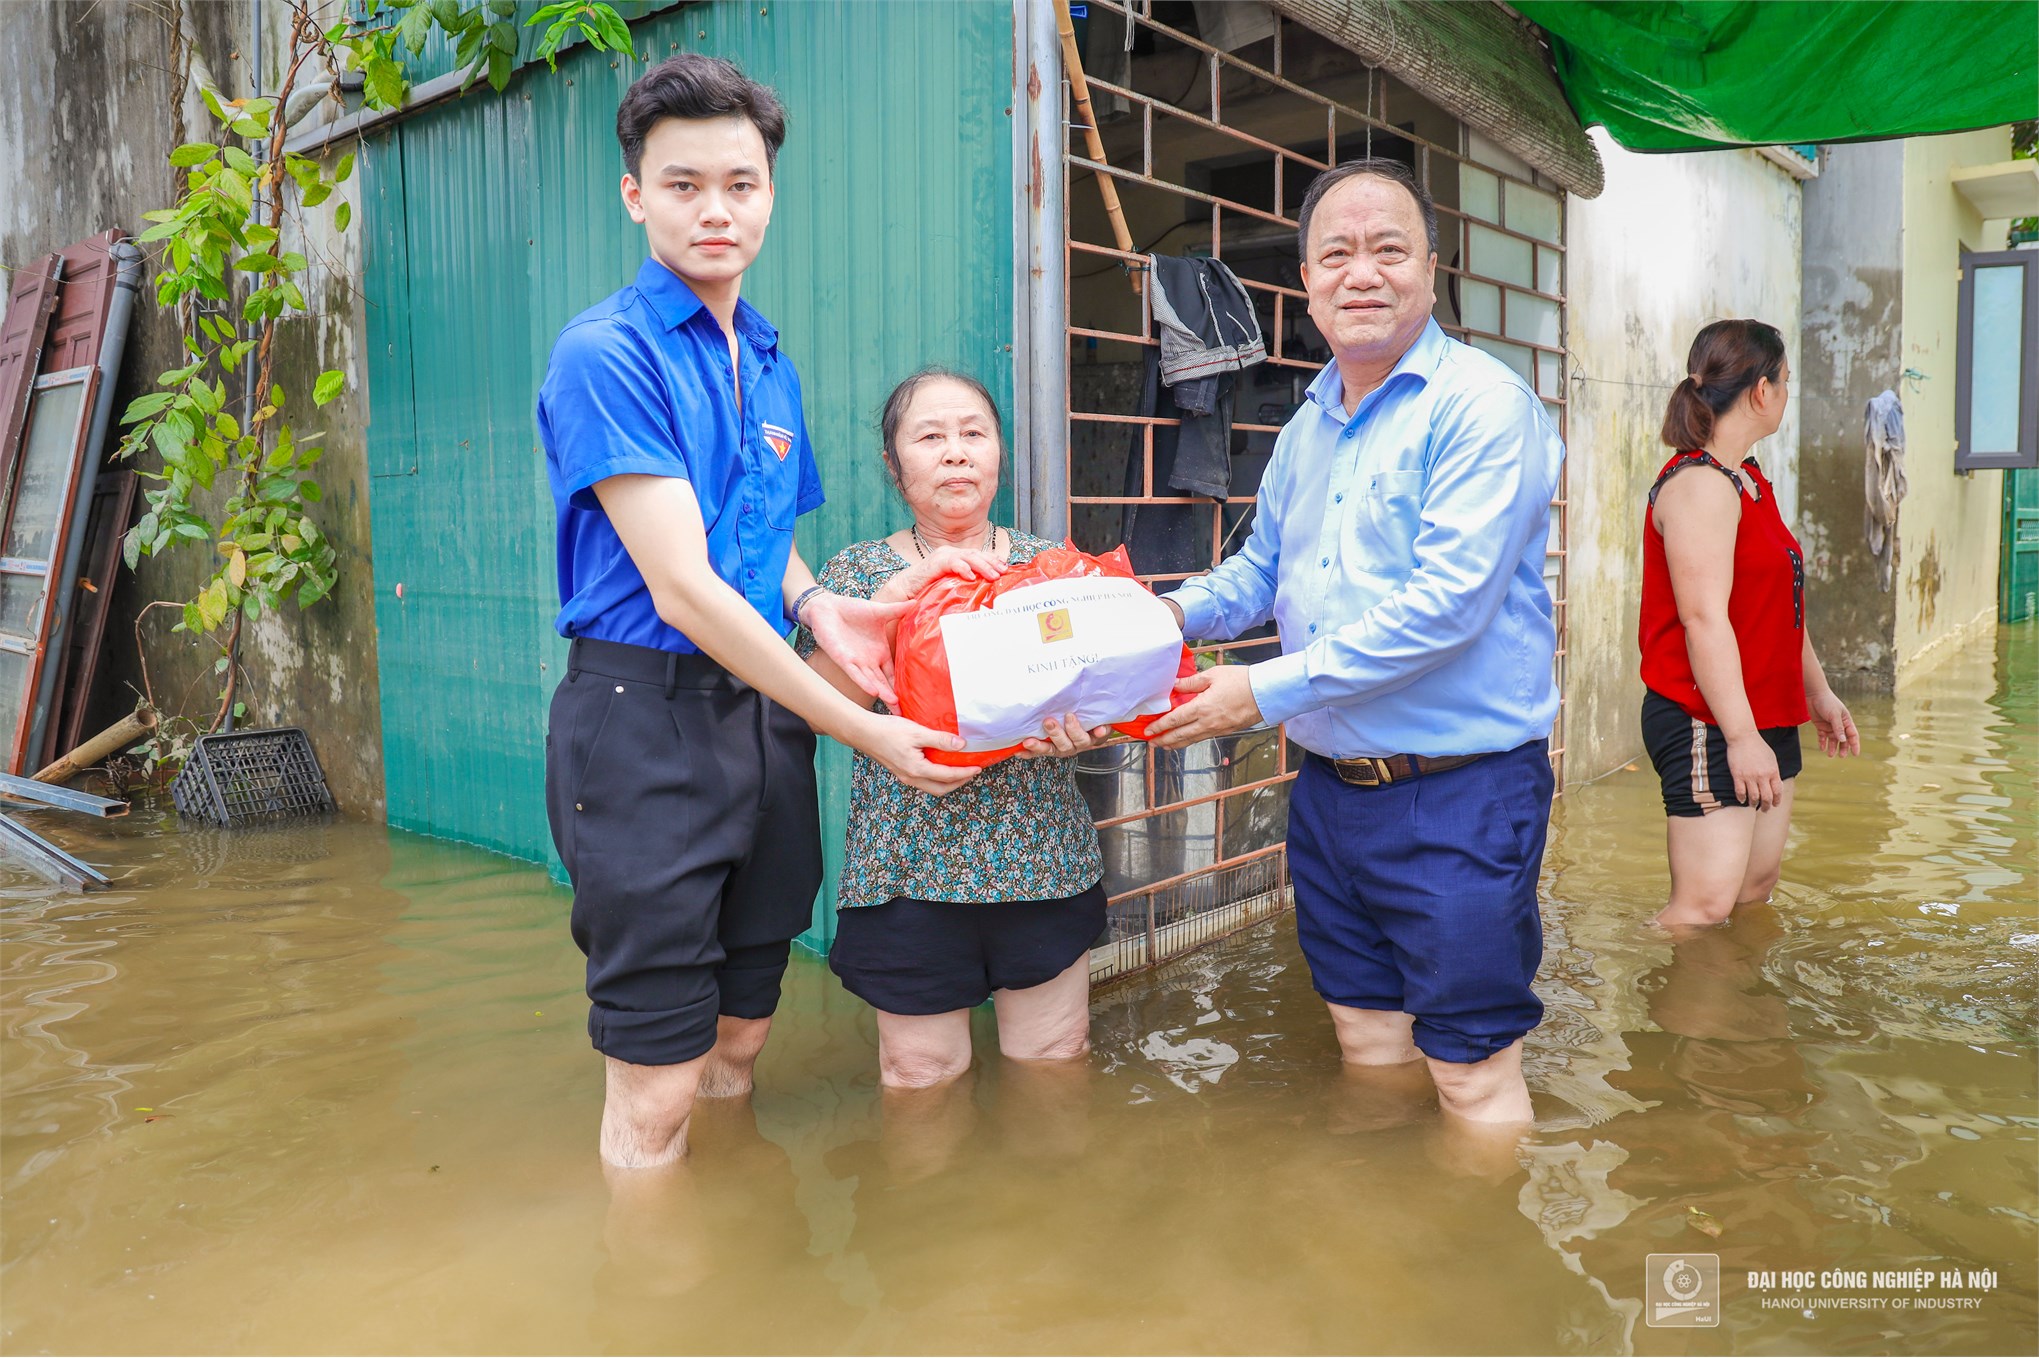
x=1683 y=77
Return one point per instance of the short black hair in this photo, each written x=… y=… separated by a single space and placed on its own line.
x=694 y=86
x=1380 y=167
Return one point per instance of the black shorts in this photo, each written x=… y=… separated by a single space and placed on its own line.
x=910 y=956
x=682 y=804
x=1691 y=757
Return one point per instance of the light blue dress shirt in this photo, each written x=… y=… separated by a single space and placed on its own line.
x=1400 y=552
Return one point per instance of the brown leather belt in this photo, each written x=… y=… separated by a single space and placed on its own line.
x=1396 y=768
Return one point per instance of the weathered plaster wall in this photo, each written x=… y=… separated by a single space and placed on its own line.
x=1947 y=577
x=1854 y=272
x=1676 y=241
x=92 y=99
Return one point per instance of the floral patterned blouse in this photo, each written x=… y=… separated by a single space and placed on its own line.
x=1018 y=831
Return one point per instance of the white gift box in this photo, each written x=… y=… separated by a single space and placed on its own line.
x=1101 y=647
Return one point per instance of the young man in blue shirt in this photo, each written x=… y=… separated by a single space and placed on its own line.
x=1399 y=546
x=680 y=746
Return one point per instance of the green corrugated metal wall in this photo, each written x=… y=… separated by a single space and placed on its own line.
x=493 y=220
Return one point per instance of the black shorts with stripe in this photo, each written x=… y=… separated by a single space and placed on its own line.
x=1691 y=757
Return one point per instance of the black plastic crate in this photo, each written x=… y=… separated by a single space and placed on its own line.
x=234 y=777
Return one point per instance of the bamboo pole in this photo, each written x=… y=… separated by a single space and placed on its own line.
x=121 y=734
x=1079 y=90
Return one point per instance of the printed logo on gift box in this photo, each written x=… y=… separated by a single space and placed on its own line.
x=1055 y=625
x=780 y=439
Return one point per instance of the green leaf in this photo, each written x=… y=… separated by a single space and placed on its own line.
x=229 y=428
x=503 y=38
x=383 y=84
x=615 y=33
x=276 y=397
x=317 y=193
x=257 y=263
x=171 y=440
x=415 y=27
x=190 y=530
x=470 y=48
x=212 y=104
x=293 y=262
x=309 y=489
x=131 y=548
x=344 y=169
x=342 y=215
x=144 y=406
x=311 y=591
x=249 y=127
x=500 y=64
x=243 y=163
x=193 y=153
x=329 y=384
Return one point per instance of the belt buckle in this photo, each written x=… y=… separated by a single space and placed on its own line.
x=1366 y=771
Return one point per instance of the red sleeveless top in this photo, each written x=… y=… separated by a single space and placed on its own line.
x=1766 y=607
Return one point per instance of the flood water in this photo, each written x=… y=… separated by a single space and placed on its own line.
x=328 y=1090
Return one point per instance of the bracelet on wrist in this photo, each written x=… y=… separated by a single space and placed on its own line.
x=800 y=601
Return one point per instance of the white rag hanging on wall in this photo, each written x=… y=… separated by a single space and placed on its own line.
x=1883 y=480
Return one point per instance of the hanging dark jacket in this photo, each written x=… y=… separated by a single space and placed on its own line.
x=1208 y=330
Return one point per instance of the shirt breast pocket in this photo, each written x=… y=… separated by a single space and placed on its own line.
x=780 y=461
x=1386 y=521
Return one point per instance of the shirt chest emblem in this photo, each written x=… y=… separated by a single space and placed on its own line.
x=780 y=439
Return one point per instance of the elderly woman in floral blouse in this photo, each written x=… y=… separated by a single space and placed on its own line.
x=994 y=890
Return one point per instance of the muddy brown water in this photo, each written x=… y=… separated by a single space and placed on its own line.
x=328 y=1090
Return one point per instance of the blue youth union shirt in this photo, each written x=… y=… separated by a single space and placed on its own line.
x=1400 y=551
x=640 y=383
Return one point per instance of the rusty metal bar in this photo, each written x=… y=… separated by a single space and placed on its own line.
x=1153 y=105
x=1148 y=813
x=1220 y=865
x=1311 y=96
x=1079 y=93
x=1201 y=197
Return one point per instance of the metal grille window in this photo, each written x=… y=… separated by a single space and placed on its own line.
x=1210 y=140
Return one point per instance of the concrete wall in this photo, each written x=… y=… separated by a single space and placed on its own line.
x=1854 y=273
x=1950 y=523
x=92 y=99
x=1676 y=241
x=1884 y=234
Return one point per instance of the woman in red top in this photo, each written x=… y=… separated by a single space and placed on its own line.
x=1727 y=661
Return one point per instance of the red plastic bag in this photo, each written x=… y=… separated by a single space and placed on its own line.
x=920 y=660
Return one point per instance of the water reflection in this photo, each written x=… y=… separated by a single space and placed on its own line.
x=372 y=1097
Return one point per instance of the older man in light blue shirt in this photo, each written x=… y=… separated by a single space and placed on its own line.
x=1399 y=546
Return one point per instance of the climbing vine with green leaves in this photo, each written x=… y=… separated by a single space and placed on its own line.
x=232 y=473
